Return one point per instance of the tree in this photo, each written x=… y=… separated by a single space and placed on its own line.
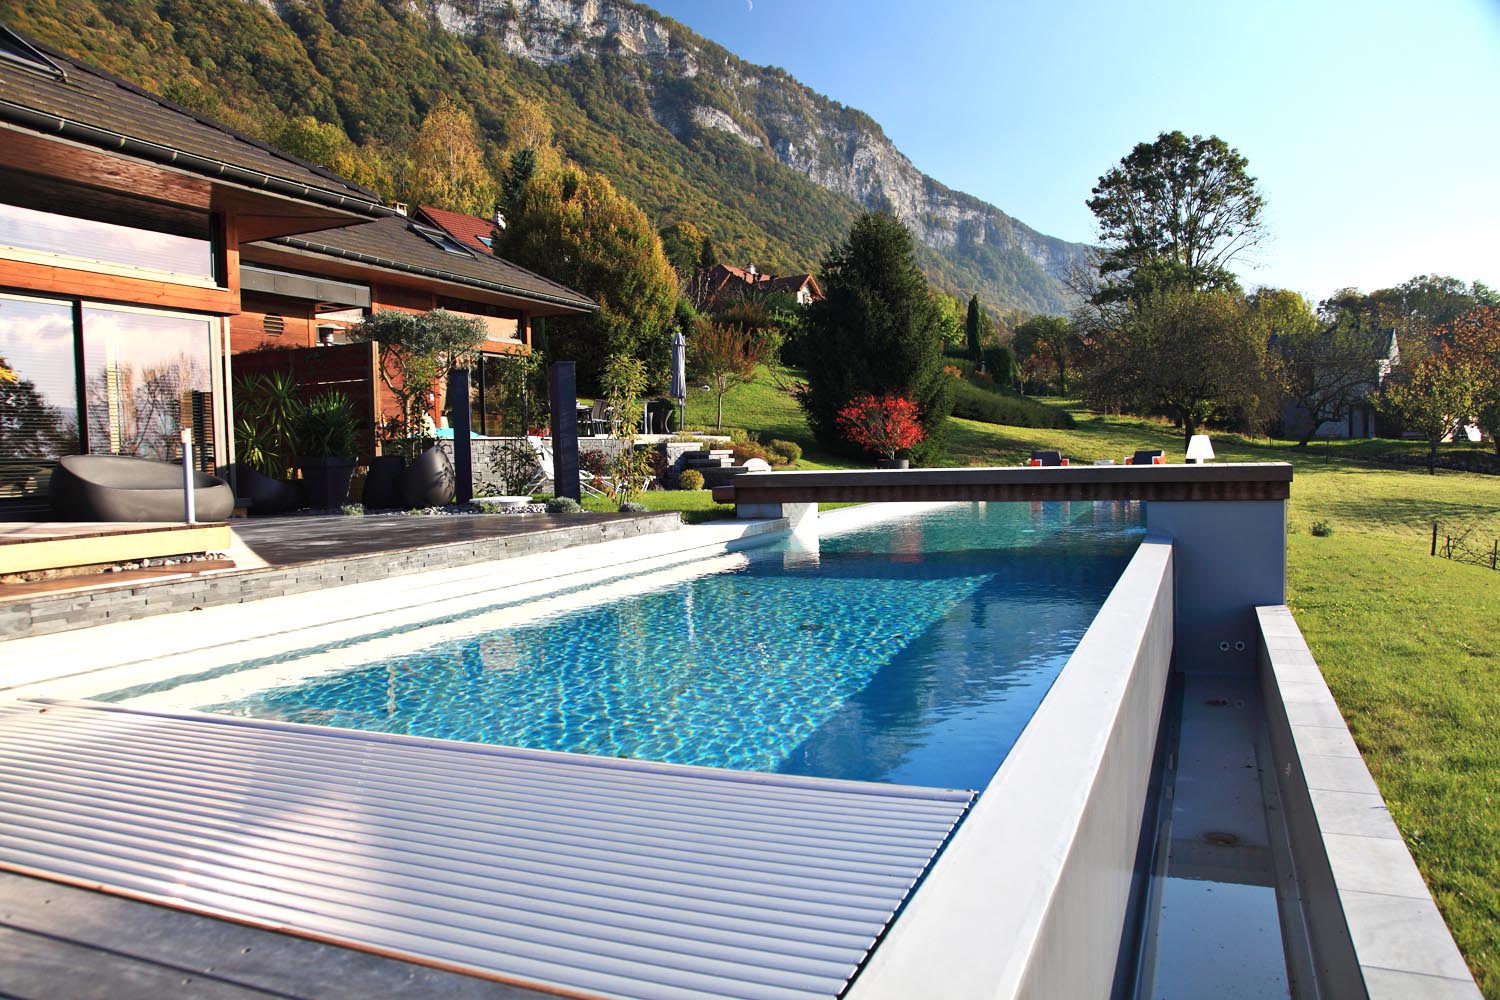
x=875 y=332
x=682 y=242
x=1433 y=395
x=1174 y=211
x=448 y=164
x=726 y=355
x=417 y=350
x=882 y=424
x=972 y=330
x=1192 y=354
x=1475 y=337
x=573 y=227
x=1051 y=338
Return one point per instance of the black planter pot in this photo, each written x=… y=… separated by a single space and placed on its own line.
x=893 y=463
x=326 y=481
x=430 y=480
x=383 y=483
x=267 y=495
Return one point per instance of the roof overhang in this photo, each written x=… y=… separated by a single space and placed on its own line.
x=263 y=205
x=302 y=286
x=301 y=255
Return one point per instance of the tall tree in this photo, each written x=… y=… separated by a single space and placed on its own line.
x=448 y=168
x=682 y=242
x=875 y=332
x=1175 y=211
x=573 y=227
x=1192 y=354
x=972 y=330
x=1051 y=337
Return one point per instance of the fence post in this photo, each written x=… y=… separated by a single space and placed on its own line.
x=1434 y=538
x=1495 y=553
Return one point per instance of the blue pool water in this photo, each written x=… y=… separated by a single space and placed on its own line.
x=912 y=651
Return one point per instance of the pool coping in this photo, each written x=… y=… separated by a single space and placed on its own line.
x=1035 y=908
x=1374 y=927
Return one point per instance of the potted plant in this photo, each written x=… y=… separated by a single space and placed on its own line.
x=326 y=446
x=266 y=410
x=883 y=424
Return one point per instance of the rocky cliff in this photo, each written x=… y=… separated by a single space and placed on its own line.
x=694 y=86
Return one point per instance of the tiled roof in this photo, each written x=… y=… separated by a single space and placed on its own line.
x=92 y=107
x=467 y=229
x=393 y=243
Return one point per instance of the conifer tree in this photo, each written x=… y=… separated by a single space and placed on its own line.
x=876 y=332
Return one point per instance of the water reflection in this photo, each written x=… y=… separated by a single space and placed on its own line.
x=913 y=652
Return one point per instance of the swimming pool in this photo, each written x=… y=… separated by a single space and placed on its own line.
x=910 y=651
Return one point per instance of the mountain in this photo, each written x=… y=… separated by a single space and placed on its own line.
x=772 y=171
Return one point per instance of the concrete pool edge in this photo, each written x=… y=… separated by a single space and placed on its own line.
x=1033 y=888
x=1373 y=926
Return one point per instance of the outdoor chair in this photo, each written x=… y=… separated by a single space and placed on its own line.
x=588 y=483
x=601 y=418
x=1146 y=456
x=1047 y=458
x=124 y=488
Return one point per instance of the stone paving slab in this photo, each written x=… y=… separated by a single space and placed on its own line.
x=303 y=554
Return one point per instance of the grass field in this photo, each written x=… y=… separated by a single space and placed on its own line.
x=1407 y=642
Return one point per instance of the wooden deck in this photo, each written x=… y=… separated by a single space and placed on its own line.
x=30 y=546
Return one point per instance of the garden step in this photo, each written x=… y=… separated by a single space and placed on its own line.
x=720 y=476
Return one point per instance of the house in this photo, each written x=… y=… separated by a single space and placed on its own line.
x=305 y=291
x=122 y=216
x=1347 y=386
x=718 y=286
x=148 y=255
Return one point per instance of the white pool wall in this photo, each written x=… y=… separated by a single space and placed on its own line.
x=1030 y=896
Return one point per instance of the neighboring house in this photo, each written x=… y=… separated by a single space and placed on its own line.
x=470 y=230
x=1356 y=383
x=720 y=285
x=121 y=219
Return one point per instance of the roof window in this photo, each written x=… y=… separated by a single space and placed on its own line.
x=441 y=240
x=17 y=50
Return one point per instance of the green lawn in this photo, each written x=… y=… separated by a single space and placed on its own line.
x=1407 y=642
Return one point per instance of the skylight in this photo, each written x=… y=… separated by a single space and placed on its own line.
x=441 y=240
x=15 y=49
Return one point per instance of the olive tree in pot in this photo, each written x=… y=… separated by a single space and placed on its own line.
x=326 y=446
x=417 y=350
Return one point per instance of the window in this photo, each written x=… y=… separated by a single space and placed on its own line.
x=489 y=243
x=38 y=394
x=146 y=376
x=441 y=240
x=64 y=240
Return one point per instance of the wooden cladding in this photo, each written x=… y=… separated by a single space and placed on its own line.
x=1221 y=482
x=86 y=284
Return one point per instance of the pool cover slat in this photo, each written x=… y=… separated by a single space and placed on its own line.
x=627 y=880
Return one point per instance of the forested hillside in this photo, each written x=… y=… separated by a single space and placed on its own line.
x=772 y=172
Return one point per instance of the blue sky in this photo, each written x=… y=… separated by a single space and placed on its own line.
x=1371 y=127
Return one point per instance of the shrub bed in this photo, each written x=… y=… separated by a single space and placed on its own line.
x=973 y=403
